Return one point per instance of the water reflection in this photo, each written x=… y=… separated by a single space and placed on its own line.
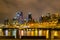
x=38 y=32
x=55 y=34
x=1 y=32
x=30 y=32
x=34 y=32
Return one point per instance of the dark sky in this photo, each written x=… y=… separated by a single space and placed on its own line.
x=8 y=8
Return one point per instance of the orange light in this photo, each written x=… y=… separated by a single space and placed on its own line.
x=31 y=25
x=22 y=32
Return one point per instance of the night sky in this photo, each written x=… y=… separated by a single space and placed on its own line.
x=8 y=8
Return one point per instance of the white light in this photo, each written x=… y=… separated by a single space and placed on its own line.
x=6 y=33
x=40 y=32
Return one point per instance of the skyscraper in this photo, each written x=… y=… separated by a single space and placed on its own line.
x=19 y=16
x=40 y=19
x=29 y=17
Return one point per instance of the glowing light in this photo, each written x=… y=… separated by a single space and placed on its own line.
x=55 y=33
x=22 y=32
x=47 y=33
x=32 y=33
x=6 y=33
x=40 y=32
x=36 y=32
x=28 y=33
x=31 y=25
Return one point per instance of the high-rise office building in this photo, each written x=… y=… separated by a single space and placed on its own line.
x=40 y=19
x=19 y=16
x=29 y=17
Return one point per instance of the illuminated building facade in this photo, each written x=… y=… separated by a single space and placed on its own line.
x=19 y=16
x=29 y=16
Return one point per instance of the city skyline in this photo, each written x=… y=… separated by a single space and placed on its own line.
x=8 y=8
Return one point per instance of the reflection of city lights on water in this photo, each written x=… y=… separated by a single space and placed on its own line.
x=6 y=32
x=55 y=33
x=36 y=32
x=28 y=33
x=19 y=34
x=32 y=33
x=14 y=33
x=25 y=33
x=1 y=33
x=40 y=32
x=22 y=32
x=47 y=33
